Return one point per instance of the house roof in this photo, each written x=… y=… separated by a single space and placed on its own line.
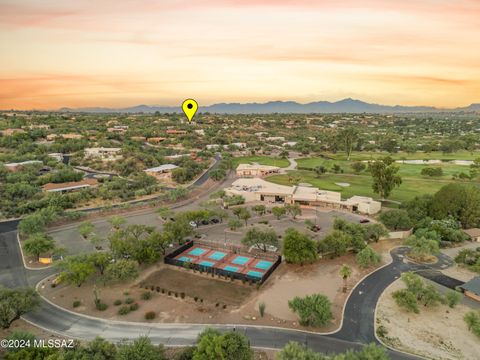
x=256 y=167
x=161 y=168
x=473 y=285
x=52 y=187
x=474 y=232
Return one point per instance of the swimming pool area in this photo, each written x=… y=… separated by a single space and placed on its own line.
x=256 y=274
x=197 y=252
x=241 y=260
x=185 y=259
x=231 y=268
x=217 y=255
x=207 y=263
x=264 y=265
x=223 y=262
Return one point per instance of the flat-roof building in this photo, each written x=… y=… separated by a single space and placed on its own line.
x=256 y=170
x=70 y=186
x=162 y=173
x=472 y=288
x=256 y=189
x=18 y=165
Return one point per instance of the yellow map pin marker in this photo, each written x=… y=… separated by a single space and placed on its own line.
x=189 y=107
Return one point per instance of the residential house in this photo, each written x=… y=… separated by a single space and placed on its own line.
x=103 y=153
x=256 y=189
x=162 y=173
x=70 y=186
x=256 y=170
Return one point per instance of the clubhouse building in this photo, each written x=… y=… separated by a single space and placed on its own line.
x=256 y=189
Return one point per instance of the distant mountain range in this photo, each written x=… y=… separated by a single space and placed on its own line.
x=342 y=106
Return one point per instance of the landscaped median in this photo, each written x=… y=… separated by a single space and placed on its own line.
x=437 y=331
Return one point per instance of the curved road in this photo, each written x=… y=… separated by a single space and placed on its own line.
x=357 y=328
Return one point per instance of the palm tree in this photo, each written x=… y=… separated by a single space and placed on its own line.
x=345 y=273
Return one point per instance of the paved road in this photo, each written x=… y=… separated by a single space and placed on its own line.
x=439 y=278
x=48 y=316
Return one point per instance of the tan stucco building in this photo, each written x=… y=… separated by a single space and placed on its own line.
x=256 y=170
x=256 y=189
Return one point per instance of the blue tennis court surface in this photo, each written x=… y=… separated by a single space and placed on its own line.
x=231 y=268
x=217 y=255
x=263 y=264
x=256 y=274
x=241 y=260
x=197 y=252
x=207 y=263
x=184 y=258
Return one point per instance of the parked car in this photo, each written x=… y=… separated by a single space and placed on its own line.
x=364 y=221
x=193 y=224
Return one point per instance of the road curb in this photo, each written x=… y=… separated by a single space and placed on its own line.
x=23 y=257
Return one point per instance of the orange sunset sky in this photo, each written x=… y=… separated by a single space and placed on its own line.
x=120 y=53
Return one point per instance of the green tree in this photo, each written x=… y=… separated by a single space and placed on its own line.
x=259 y=209
x=100 y=260
x=76 y=269
x=298 y=248
x=358 y=166
x=384 y=175
x=211 y=344
x=278 y=212
x=234 y=224
x=242 y=214
x=296 y=351
x=97 y=349
x=16 y=302
x=367 y=257
x=85 y=229
x=373 y=232
x=38 y=243
x=122 y=270
x=313 y=310
x=460 y=201
x=335 y=243
x=345 y=273
x=260 y=238
x=406 y=299
x=293 y=209
x=422 y=248
x=320 y=170
x=165 y=212
x=396 y=219
x=141 y=349
x=348 y=137
x=117 y=221
x=472 y=319
x=25 y=336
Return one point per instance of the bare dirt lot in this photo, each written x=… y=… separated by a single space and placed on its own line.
x=435 y=333
x=237 y=302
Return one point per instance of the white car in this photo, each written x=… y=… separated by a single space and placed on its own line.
x=193 y=224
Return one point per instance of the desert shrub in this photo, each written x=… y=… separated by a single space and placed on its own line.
x=150 y=315
x=129 y=300
x=313 y=310
x=261 y=308
x=101 y=306
x=147 y=295
x=452 y=298
x=472 y=318
x=76 y=303
x=182 y=295
x=117 y=302
x=124 y=310
x=134 y=307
